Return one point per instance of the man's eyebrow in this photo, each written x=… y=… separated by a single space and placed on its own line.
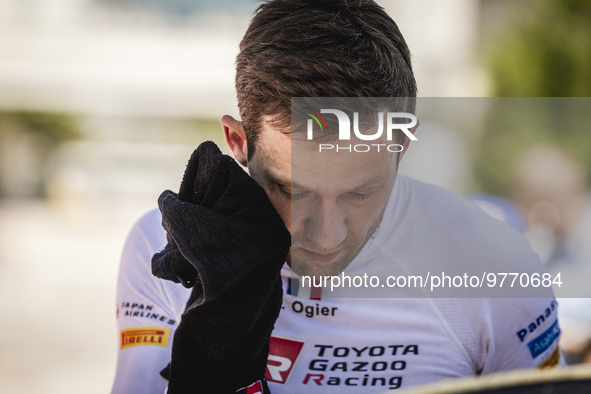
x=278 y=180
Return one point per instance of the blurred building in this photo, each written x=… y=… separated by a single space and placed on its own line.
x=133 y=74
x=122 y=67
x=176 y=58
x=116 y=57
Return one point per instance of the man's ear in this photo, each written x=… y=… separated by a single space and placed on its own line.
x=407 y=142
x=235 y=138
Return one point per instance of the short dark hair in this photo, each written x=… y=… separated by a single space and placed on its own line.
x=317 y=48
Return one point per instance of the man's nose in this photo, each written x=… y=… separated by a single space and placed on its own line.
x=326 y=226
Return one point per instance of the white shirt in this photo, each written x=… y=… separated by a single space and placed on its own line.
x=339 y=345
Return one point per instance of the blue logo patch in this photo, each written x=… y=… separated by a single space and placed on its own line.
x=544 y=341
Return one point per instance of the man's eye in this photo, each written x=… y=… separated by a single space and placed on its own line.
x=293 y=194
x=360 y=196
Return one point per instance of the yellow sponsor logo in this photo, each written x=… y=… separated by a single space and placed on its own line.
x=552 y=361
x=155 y=336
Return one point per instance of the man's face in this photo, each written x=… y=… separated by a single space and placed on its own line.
x=331 y=202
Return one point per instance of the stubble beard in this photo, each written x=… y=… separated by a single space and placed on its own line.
x=304 y=267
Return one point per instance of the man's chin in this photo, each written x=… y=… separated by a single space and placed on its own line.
x=305 y=267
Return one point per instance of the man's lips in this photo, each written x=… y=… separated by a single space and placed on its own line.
x=319 y=257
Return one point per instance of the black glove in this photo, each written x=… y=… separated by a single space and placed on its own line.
x=226 y=241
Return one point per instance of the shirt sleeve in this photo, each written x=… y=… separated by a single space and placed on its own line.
x=522 y=333
x=148 y=312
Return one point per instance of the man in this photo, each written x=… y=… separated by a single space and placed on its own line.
x=345 y=212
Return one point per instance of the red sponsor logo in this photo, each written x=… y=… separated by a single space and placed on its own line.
x=255 y=388
x=283 y=354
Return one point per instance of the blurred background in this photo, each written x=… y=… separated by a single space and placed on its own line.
x=103 y=101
